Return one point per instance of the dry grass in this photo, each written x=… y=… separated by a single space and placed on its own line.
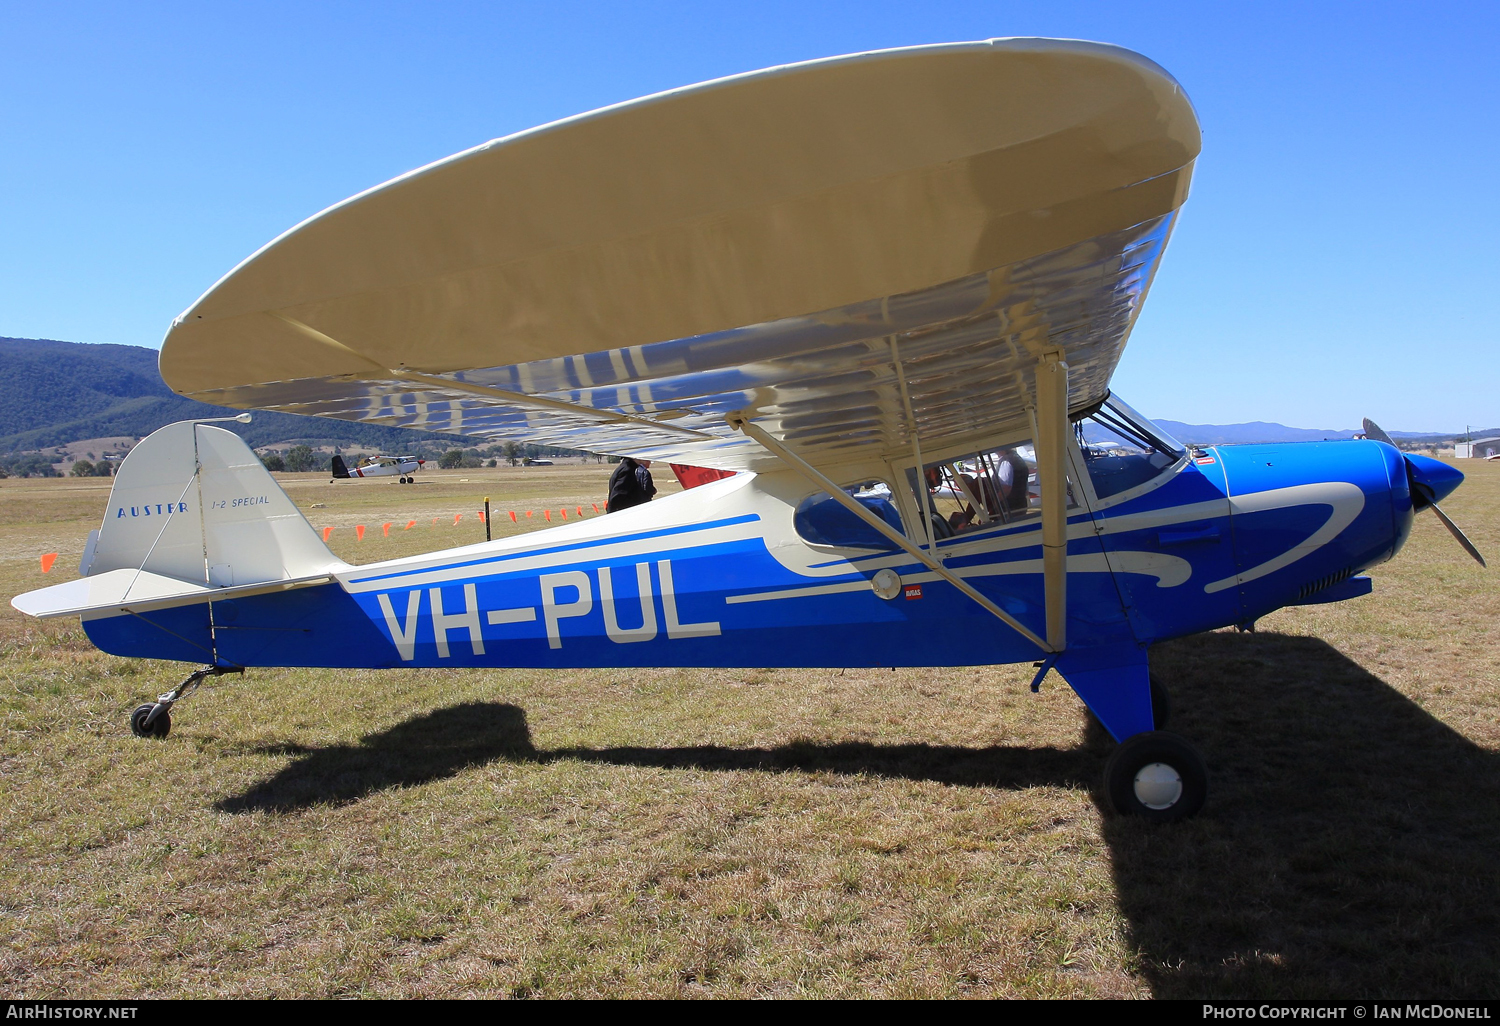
x=770 y=833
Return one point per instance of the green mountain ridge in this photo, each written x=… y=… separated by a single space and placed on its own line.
x=53 y=393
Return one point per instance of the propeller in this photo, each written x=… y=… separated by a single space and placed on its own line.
x=1429 y=480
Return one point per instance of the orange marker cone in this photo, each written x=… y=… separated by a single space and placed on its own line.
x=385 y=529
x=548 y=514
x=457 y=517
x=596 y=507
x=513 y=516
x=359 y=531
x=580 y=511
x=564 y=513
x=48 y=558
x=326 y=532
x=434 y=521
x=409 y=525
x=528 y=514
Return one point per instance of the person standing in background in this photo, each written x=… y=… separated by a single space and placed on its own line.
x=630 y=485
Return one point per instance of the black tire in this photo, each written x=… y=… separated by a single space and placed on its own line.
x=1161 y=704
x=160 y=727
x=1139 y=778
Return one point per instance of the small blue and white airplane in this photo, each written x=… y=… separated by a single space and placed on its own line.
x=889 y=290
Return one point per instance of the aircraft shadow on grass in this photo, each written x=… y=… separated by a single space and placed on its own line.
x=1350 y=847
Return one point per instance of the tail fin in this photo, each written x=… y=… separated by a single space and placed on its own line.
x=193 y=514
x=339 y=469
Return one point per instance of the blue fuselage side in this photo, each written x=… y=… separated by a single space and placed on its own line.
x=718 y=577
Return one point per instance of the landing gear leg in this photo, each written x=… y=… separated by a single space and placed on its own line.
x=1161 y=703
x=1152 y=774
x=154 y=718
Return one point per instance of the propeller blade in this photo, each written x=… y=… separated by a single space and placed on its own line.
x=1462 y=540
x=1372 y=430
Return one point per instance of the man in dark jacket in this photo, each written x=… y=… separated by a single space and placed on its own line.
x=630 y=485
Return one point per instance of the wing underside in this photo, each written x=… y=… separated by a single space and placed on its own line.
x=1023 y=209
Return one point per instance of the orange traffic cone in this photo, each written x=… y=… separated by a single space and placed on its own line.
x=513 y=516
x=548 y=514
x=359 y=532
x=385 y=529
x=48 y=558
x=596 y=507
x=326 y=532
x=564 y=513
x=409 y=525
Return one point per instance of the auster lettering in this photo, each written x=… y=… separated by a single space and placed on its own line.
x=162 y=509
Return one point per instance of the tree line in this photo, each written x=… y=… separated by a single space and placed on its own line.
x=302 y=459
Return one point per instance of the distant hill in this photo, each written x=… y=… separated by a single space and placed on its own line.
x=53 y=393
x=1261 y=431
x=1256 y=431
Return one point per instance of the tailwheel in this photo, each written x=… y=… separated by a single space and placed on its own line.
x=143 y=725
x=1157 y=776
x=154 y=719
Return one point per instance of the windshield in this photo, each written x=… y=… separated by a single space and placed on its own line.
x=1121 y=449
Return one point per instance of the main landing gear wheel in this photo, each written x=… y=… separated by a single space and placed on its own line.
x=159 y=727
x=1157 y=776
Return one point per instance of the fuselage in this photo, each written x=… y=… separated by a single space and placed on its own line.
x=381 y=467
x=720 y=576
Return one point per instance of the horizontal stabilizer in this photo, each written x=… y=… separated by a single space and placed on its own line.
x=193 y=516
x=136 y=591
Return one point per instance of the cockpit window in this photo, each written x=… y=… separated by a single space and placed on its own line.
x=823 y=520
x=992 y=487
x=1121 y=449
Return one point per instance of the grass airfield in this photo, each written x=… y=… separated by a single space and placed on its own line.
x=919 y=833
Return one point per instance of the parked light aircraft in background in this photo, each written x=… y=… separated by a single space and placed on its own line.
x=889 y=290
x=404 y=467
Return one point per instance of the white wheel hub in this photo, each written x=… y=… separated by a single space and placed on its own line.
x=1158 y=786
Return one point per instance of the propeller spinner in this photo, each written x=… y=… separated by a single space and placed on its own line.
x=1430 y=480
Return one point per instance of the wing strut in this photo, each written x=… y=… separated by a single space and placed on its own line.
x=807 y=470
x=1051 y=458
x=916 y=445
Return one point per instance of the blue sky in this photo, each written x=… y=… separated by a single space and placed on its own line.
x=1337 y=258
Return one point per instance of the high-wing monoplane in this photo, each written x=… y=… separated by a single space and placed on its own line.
x=889 y=290
x=403 y=467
